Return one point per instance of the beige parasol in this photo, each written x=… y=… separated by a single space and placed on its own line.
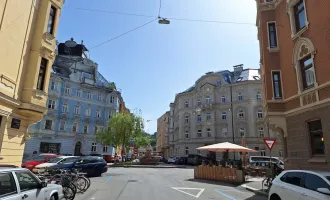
x=226 y=146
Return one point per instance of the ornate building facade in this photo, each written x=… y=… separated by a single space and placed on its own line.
x=221 y=106
x=80 y=103
x=27 y=39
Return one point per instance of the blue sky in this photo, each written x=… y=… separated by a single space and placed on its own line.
x=153 y=63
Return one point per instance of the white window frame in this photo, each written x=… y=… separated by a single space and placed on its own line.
x=99 y=97
x=88 y=112
x=260 y=114
x=94 y=147
x=224 y=115
x=89 y=95
x=186 y=134
x=241 y=114
x=259 y=96
x=65 y=108
x=105 y=149
x=67 y=90
x=98 y=113
x=77 y=110
x=112 y=99
x=51 y=125
x=75 y=127
x=199 y=102
x=208 y=116
x=199 y=132
x=53 y=85
x=272 y=48
x=79 y=92
x=223 y=99
x=262 y=152
x=187 y=150
x=290 y=10
x=224 y=132
x=261 y=132
x=241 y=132
x=62 y=122
x=186 y=104
x=186 y=119
x=199 y=117
x=207 y=99
x=86 y=126
x=51 y=104
x=240 y=97
x=208 y=132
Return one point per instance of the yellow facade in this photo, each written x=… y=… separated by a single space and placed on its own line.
x=27 y=37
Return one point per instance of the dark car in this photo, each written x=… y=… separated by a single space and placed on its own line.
x=194 y=159
x=107 y=157
x=183 y=160
x=91 y=165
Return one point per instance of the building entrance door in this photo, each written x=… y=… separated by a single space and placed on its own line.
x=77 y=149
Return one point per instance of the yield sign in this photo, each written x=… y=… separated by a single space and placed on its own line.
x=270 y=143
x=194 y=192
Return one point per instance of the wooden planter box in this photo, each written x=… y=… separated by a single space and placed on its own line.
x=230 y=175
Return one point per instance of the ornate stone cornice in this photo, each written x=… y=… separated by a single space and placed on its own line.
x=269 y=5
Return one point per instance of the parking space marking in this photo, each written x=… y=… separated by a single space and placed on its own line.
x=226 y=195
x=108 y=179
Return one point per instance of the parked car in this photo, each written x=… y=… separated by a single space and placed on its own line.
x=171 y=160
x=42 y=158
x=53 y=161
x=18 y=183
x=91 y=165
x=107 y=157
x=183 y=160
x=301 y=185
x=194 y=159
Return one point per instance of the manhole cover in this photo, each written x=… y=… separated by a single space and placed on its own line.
x=132 y=181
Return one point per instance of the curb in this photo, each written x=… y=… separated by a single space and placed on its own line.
x=148 y=166
x=254 y=190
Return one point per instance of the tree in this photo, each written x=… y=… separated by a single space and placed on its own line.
x=122 y=127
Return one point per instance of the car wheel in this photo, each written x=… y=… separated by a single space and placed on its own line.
x=275 y=197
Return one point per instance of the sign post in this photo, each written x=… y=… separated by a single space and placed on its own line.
x=270 y=144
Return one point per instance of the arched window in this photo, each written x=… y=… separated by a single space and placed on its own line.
x=187 y=150
x=240 y=97
x=241 y=132
x=186 y=119
x=258 y=95
x=186 y=134
x=241 y=114
x=260 y=114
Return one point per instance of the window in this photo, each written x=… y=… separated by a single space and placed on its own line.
x=74 y=127
x=187 y=150
x=112 y=99
x=98 y=113
x=100 y=98
x=208 y=100
x=186 y=119
x=48 y=124
x=95 y=129
x=77 y=110
x=224 y=132
x=79 y=93
x=316 y=134
x=62 y=125
x=199 y=103
x=94 y=145
x=51 y=20
x=53 y=85
x=26 y=181
x=186 y=105
x=85 y=128
x=240 y=97
x=268 y=0
x=105 y=149
x=259 y=114
x=208 y=116
x=208 y=131
x=258 y=96
x=312 y=182
x=294 y=178
x=241 y=114
x=89 y=95
x=262 y=152
x=88 y=112
x=307 y=72
x=277 y=86
x=261 y=132
x=199 y=133
x=42 y=74
x=51 y=104
x=223 y=99
x=223 y=115
x=299 y=15
x=108 y=114
x=199 y=118
x=218 y=82
x=272 y=36
x=67 y=90
x=242 y=132
x=8 y=184
x=186 y=134
x=65 y=108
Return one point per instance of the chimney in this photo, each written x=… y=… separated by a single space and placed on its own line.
x=238 y=68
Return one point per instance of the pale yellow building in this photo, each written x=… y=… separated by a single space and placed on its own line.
x=162 y=137
x=27 y=51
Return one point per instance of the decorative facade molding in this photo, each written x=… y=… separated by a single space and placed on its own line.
x=269 y=5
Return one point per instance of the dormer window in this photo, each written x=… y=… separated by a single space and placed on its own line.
x=239 y=79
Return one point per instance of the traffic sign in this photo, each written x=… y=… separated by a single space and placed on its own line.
x=270 y=143
x=131 y=140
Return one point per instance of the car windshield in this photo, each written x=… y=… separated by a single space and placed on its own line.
x=55 y=160
x=69 y=160
x=328 y=177
x=39 y=158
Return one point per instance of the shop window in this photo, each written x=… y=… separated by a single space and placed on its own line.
x=316 y=135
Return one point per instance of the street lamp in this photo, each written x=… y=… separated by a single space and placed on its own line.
x=163 y=20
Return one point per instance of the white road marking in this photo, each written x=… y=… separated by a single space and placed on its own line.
x=180 y=189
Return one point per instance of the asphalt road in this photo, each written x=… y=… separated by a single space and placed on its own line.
x=159 y=184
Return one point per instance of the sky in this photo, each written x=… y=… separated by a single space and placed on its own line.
x=153 y=63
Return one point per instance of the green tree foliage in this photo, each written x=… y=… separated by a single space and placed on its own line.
x=122 y=127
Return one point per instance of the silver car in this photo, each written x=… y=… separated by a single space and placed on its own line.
x=19 y=183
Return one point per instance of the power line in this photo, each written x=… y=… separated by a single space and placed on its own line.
x=172 y=18
x=118 y=36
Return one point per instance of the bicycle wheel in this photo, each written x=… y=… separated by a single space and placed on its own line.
x=88 y=182
x=81 y=184
x=69 y=193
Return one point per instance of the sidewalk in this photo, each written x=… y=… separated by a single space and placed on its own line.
x=255 y=185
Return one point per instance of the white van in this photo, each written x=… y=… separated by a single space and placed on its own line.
x=266 y=159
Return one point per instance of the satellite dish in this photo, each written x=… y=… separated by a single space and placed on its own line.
x=70 y=43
